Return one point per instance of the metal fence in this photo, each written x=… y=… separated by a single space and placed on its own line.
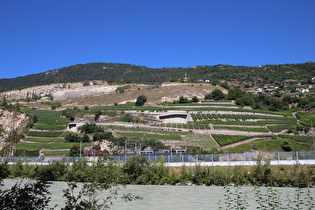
x=178 y=157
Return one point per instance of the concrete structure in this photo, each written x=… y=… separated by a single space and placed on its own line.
x=175 y=117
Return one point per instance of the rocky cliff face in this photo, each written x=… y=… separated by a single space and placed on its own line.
x=45 y=90
x=10 y=121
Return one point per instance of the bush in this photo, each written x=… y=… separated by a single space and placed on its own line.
x=195 y=99
x=141 y=100
x=127 y=118
x=134 y=167
x=90 y=128
x=74 y=151
x=183 y=100
x=99 y=136
x=72 y=137
x=26 y=195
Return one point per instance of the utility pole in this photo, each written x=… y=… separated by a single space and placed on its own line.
x=80 y=148
x=125 y=150
x=312 y=134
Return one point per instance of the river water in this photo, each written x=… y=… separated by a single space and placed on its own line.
x=156 y=197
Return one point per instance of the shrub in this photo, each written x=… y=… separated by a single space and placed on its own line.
x=72 y=137
x=141 y=100
x=90 y=128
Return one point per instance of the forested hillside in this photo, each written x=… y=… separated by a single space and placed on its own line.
x=140 y=74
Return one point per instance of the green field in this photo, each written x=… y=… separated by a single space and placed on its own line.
x=307 y=139
x=49 y=127
x=44 y=139
x=228 y=139
x=49 y=117
x=255 y=129
x=150 y=136
x=269 y=145
x=278 y=128
x=37 y=146
x=45 y=133
x=305 y=118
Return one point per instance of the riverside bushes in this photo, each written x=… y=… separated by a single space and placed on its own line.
x=138 y=170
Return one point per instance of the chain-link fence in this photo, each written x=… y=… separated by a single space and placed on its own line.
x=178 y=157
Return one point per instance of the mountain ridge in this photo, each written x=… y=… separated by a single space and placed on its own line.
x=127 y=73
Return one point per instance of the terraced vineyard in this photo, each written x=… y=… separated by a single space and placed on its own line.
x=229 y=139
x=149 y=136
x=236 y=117
x=47 y=133
x=306 y=139
x=278 y=128
x=254 y=129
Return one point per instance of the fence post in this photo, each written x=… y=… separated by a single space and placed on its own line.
x=278 y=158
x=244 y=158
x=297 y=155
x=197 y=159
x=212 y=158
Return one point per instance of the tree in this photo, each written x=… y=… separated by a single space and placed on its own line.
x=208 y=96
x=217 y=94
x=183 y=100
x=26 y=195
x=90 y=128
x=103 y=176
x=98 y=113
x=71 y=137
x=127 y=118
x=74 y=151
x=235 y=93
x=85 y=138
x=134 y=166
x=141 y=100
x=195 y=99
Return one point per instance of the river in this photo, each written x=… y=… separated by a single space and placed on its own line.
x=156 y=197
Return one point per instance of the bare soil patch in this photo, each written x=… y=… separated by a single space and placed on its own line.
x=155 y=94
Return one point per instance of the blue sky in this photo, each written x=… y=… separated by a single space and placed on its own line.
x=37 y=36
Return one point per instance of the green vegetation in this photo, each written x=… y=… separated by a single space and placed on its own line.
x=216 y=95
x=255 y=129
x=228 y=139
x=270 y=145
x=126 y=73
x=266 y=198
x=305 y=118
x=37 y=146
x=139 y=170
x=44 y=133
x=306 y=139
x=49 y=127
x=278 y=128
x=141 y=100
x=48 y=117
x=122 y=89
x=150 y=136
x=38 y=139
